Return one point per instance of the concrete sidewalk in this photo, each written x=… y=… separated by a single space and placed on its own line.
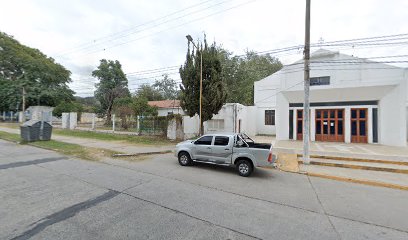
x=119 y=146
x=336 y=149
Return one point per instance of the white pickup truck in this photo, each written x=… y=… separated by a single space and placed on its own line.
x=236 y=150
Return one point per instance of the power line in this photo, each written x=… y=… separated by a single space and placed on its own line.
x=154 y=26
x=177 y=26
x=117 y=34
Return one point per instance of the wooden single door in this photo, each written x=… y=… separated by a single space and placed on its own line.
x=359 y=125
x=299 y=124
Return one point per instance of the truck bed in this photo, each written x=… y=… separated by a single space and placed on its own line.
x=259 y=145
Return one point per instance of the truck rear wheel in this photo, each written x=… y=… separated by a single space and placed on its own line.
x=244 y=168
x=184 y=159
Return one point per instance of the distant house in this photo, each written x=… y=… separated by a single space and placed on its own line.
x=166 y=107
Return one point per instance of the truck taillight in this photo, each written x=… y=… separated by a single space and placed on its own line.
x=270 y=157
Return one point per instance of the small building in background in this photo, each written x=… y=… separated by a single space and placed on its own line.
x=167 y=107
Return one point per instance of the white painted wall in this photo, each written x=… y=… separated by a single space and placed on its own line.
x=191 y=126
x=407 y=122
x=393 y=117
x=282 y=118
x=249 y=120
x=166 y=111
x=261 y=128
x=229 y=115
x=348 y=82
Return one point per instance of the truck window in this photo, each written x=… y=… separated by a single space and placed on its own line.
x=221 y=141
x=206 y=140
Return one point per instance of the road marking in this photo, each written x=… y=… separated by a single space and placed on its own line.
x=33 y=162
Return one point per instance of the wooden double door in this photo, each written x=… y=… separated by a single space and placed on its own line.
x=329 y=125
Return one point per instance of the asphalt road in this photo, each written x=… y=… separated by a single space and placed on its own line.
x=44 y=195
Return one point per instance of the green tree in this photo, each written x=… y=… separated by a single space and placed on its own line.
x=141 y=107
x=167 y=87
x=89 y=104
x=44 y=80
x=112 y=84
x=213 y=87
x=67 y=107
x=123 y=108
x=149 y=92
x=240 y=73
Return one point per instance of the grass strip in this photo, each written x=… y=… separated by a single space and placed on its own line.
x=12 y=137
x=147 y=140
x=70 y=149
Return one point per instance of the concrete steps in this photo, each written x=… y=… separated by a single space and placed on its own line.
x=368 y=177
x=376 y=173
x=372 y=165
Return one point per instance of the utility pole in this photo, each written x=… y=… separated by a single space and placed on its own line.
x=306 y=107
x=201 y=90
x=24 y=93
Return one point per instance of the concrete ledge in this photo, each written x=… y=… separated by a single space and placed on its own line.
x=360 y=181
x=371 y=168
x=140 y=154
x=357 y=159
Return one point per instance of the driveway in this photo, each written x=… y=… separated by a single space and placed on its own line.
x=45 y=195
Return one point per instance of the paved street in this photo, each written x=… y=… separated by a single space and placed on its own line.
x=44 y=195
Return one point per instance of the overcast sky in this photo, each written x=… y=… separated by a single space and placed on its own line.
x=145 y=35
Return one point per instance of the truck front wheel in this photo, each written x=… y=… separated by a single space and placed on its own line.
x=244 y=168
x=184 y=159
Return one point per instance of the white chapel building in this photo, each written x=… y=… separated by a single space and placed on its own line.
x=353 y=100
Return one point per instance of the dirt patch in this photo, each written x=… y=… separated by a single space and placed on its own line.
x=287 y=162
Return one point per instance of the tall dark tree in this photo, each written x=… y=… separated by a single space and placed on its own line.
x=213 y=87
x=112 y=84
x=44 y=80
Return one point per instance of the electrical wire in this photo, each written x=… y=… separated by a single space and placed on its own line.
x=129 y=30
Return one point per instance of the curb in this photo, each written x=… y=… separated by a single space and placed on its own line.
x=341 y=165
x=360 y=181
x=357 y=159
x=140 y=154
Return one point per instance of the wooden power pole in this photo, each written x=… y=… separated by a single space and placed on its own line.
x=306 y=105
x=24 y=93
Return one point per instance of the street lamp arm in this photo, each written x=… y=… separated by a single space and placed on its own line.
x=190 y=39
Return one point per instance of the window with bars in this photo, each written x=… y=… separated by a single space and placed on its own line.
x=269 y=117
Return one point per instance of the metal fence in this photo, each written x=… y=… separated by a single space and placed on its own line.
x=9 y=116
x=153 y=126
x=126 y=123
